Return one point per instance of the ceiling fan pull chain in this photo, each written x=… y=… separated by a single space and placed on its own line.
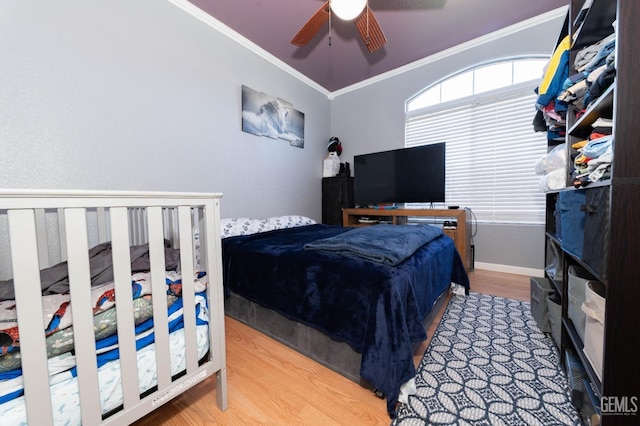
x=367 y=12
x=330 y=13
x=367 y=26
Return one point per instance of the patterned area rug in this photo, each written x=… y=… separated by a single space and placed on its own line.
x=489 y=364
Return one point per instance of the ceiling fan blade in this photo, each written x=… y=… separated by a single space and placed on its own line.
x=313 y=25
x=372 y=35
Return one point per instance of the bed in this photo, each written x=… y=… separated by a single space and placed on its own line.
x=308 y=285
x=158 y=252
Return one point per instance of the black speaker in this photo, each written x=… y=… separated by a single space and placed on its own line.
x=337 y=194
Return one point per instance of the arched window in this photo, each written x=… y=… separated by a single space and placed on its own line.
x=485 y=114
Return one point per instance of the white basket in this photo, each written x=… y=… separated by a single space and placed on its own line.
x=578 y=279
x=594 y=308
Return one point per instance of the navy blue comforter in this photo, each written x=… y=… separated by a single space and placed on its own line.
x=376 y=308
x=388 y=244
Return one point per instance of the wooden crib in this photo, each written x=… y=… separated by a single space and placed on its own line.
x=40 y=229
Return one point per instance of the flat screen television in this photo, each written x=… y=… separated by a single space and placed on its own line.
x=407 y=175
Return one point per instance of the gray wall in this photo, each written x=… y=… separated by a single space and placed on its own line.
x=371 y=118
x=140 y=95
x=143 y=96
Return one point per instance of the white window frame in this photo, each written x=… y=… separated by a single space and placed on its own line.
x=498 y=183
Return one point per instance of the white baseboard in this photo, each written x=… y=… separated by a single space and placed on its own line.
x=508 y=269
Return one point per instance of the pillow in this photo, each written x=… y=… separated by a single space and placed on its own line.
x=239 y=226
x=231 y=227
x=282 y=222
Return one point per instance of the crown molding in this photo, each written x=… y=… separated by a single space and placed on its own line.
x=487 y=38
x=219 y=26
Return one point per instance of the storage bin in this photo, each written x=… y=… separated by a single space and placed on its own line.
x=593 y=307
x=578 y=278
x=575 y=377
x=554 y=308
x=590 y=405
x=557 y=220
x=553 y=261
x=572 y=220
x=540 y=290
x=596 y=230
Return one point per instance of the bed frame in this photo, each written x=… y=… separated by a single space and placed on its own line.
x=362 y=319
x=41 y=228
x=314 y=344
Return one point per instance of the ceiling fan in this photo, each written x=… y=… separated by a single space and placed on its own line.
x=366 y=23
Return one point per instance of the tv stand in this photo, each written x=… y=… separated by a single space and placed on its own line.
x=461 y=235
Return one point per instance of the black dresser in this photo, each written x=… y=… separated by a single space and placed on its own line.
x=337 y=193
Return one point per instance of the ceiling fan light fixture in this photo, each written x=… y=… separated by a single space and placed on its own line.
x=347 y=9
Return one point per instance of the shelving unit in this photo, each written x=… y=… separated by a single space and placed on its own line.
x=337 y=193
x=618 y=268
x=461 y=235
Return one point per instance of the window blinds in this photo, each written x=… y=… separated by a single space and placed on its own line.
x=490 y=154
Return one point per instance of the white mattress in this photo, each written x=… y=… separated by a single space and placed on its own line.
x=65 y=398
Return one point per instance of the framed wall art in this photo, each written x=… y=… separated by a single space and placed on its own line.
x=275 y=118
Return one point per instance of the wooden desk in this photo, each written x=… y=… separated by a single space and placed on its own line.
x=461 y=235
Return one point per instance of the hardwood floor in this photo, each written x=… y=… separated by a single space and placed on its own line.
x=271 y=384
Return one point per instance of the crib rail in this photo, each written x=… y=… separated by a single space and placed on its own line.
x=46 y=227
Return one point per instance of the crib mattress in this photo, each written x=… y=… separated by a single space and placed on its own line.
x=65 y=398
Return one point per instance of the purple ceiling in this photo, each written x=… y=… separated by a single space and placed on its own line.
x=414 y=29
